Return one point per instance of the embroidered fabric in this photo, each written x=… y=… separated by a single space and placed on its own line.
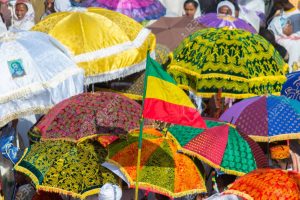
x=241 y=63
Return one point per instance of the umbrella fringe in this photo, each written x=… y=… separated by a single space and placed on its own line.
x=156 y=189
x=239 y=193
x=227 y=171
x=251 y=81
x=228 y=95
x=290 y=136
x=119 y=73
x=22 y=113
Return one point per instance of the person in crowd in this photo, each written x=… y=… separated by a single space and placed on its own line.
x=283 y=31
x=62 y=5
x=280 y=155
x=268 y=35
x=190 y=8
x=23 y=16
x=226 y=8
x=49 y=8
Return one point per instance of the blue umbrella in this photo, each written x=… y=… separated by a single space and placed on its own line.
x=291 y=88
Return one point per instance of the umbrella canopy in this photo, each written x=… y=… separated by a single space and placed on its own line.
x=218 y=21
x=138 y=10
x=264 y=184
x=36 y=74
x=291 y=88
x=117 y=48
x=170 y=31
x=163 y=170
x=266 y=119
x=241 y=63
x=67 y=168
x=220 y=146
x=89 y=114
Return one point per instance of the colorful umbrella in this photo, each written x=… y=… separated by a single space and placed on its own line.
x=266 y=119
x=291 y=88
x=117 y=48
x=67 y=168
x=163 y=170
x=89 y=114
x=138 y=10
x=218 y=21
x=35 y=70
x=220 y=146
x=241 y=63
x=265 y=184
x=170 y=31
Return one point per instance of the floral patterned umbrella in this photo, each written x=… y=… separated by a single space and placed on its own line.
x=89 y=114
x=266 y=118
x=218 y=21
x=220 y=146
x=291 y=88
x=138 y=10
x=163 y=170
x=265 y=184
x=241 y=63
x=67 y=168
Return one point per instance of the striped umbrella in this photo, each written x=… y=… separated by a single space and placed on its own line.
x=220 y=146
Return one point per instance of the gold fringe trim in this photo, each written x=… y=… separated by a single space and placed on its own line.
x=207 y=161
x=73 y=140
x=65 y=192
x=229 y=95
x=147 y=186
x=21 y=113
x=239 y=193
x=231 y=77
x=28 y=173
x=290 y=136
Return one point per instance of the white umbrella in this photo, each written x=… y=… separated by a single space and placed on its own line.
x=36 y=73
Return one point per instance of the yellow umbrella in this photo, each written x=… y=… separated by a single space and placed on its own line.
x=106 y=44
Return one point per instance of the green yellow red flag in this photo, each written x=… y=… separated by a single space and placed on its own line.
x=165 y=101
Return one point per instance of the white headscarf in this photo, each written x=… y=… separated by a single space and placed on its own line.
x=24 y=24
x=62 y=5
x=228 y=4
x=110 y=192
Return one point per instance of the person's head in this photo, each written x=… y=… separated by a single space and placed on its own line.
x=281 y=26
x=21 y=9
x=283 y=4
x=226 y=8
x=288 y=28
x=110 y=192
x=190 y=7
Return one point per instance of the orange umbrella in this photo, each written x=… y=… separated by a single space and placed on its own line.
x=267 y=184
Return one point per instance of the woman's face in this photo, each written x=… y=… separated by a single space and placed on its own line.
x=190 y=10
x=21 y=10
x=225 y=10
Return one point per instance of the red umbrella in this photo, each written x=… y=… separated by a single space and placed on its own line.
x=88 y=115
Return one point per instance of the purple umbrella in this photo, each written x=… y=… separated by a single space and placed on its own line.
x=218 y=21
x=136 y=9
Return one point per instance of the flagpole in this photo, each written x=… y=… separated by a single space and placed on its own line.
x=140 y=137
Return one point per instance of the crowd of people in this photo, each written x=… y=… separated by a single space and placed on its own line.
x=278 y=21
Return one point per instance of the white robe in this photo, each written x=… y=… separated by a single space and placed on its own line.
x=24 y=24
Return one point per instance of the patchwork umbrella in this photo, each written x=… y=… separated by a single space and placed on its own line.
x=218 y=21
x=266 y=118
x=117 y=48
x=291 y=88
x=88 y=115
x=170 y=31
x=163 y=170
x=35 y=70
x=241 y=63
x=263 y=184
x=220 y=146
x=66 y=168
x=138 y=10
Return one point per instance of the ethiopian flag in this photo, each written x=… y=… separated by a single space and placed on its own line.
x=165 y=101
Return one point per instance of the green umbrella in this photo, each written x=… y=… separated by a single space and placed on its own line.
x=67 y=168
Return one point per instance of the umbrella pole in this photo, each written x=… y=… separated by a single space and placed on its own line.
x=139 y=159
